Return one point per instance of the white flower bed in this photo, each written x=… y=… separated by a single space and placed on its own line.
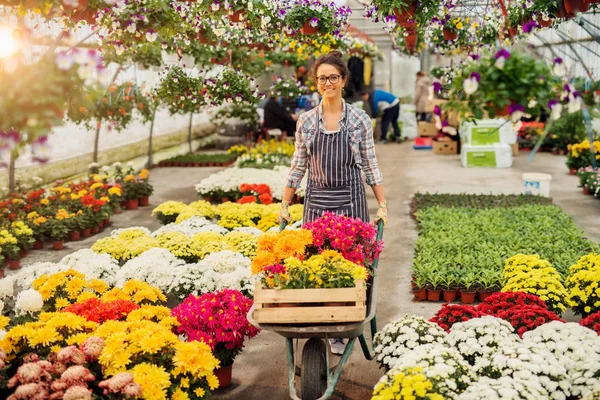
x=230 y=180
x=504 y=388
x=158 y=267
x=403 y=335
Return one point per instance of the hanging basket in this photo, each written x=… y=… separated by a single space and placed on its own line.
x=405 y=16
x=575 y=6
x=543 y=23
x=308 y=29
x=411 y=41
x=449 y=35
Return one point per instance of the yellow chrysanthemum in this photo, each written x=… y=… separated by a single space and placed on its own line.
x=153 y=379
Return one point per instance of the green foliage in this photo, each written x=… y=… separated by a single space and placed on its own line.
x=422 y=201
x=59 y=229
x=569 y=129
x=521 y=80
x=203 y=158
x=473 y=245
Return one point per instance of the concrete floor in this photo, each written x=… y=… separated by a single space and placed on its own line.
x=260 y=372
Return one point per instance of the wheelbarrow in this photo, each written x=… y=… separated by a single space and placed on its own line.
x=317 y=379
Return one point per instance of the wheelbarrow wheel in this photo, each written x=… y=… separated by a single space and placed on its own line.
x=314 y=370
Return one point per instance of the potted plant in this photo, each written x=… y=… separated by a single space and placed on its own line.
x=24 y=235
x=144 y=188
x=315 y=16
x=420 y=290
x=58 y=233
x=288 y=88
x=467 y=282
x=218 y=319
x=232 y=87
x=449 y=285
x=451 y=28
x=10 y=251
x=489 y=282
x=434 y=290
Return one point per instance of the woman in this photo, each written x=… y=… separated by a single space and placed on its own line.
x=422 y=95
x=335 y=142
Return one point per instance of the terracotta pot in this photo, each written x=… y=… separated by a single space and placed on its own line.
x=449 y=295
x=101 y=224
x=14 y=264
x=405 y=17
x=575 y=6
x=411 y=41
x=95 y=229
x=420 y=294
x=433 y=294
x=58 y=244
x=87 y=232
x=573 y=171
x=449 y=35
x=123 y=204
x=144 y=201
x=526 y=149
x=467 y=297
x=513 y=32
x=224 y=375
x=502 y=112
x=106 y=221
x=562 y=11
x=22 y=253
x=545 y=24
x=225 y=199
x=586 y=190
x=308 y=29
x=74 y=236
x=484 y=294
x=38 y=245
x=236 y=16
x=132 y=204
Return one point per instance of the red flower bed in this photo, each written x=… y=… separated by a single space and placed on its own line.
x=592 y=322
x=503 y=301
x=258 y=193
x=100 y=311
x=527 y=317
x=450 y=314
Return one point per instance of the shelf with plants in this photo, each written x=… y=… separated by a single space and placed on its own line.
x=467 y=247
x=199 y=160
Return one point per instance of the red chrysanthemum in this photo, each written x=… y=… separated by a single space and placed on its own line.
x=100 y=311
x=450 y=314
x=592 y=321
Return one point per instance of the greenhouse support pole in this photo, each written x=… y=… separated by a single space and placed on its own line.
x=190 y=132
x=590 y=133
x=11 y=171
x=150 y=161
x=96 y=142
x=540 y=140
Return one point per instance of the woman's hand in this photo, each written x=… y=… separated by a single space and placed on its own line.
x=382 y=213
x=284 y=212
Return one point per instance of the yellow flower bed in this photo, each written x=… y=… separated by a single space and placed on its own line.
x=583 y=285
x=530 y=274
x=410 y=383
x=229 y=215
x=133 y=242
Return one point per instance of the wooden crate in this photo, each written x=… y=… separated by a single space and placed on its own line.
x=445 y=147
x=298 y=306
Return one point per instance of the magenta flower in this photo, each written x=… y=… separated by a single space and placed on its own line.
x=502 y=54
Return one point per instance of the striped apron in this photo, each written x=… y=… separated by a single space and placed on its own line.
x=334 y=178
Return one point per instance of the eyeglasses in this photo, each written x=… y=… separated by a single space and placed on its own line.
x=321 y=80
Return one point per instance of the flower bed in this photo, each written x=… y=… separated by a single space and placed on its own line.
x=422 y=201
x=485 y=358
x=228 y=215
x=267 y=154
x=226 y=183
x=199 y=160
x=467 y=248
x=579 y=155
x=124 y=346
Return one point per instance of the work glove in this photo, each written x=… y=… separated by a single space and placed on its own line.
x=382 y=213
x=284 y=212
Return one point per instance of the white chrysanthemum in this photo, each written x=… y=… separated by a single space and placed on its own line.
x=249 y=229
x=158 y=267
x=25 y=276
x=93 y=265
x=403 y=335
x=481 y=337
x=117 y=232
x=7 y=287
x=29 y=301
x=504 y=388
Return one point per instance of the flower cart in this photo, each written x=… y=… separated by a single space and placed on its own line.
x=318 y=381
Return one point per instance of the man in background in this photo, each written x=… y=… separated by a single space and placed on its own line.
x=389 y=104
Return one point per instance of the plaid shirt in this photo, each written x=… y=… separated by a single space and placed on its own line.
x=360 y=132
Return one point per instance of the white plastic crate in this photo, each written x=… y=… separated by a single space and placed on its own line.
x=498 y=155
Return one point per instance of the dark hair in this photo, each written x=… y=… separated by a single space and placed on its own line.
x=421 y=73
x=335 y=58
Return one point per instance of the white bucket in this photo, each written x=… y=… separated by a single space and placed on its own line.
x=537 y=184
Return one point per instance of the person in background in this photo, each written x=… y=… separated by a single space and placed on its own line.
x=422 y=95
x=276 y=117
x=334 y=145
x=380 y=100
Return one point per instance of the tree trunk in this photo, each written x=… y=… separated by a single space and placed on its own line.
x=150 y=161
x=11 y=171
x=96 y=143
x=190 y=132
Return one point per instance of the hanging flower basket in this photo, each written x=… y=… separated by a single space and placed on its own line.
x=308 y=29
x=411 y=41
x=545 y=23
x=575 y=6
x=406 y=16
x=237 y=16
x=562 y=11
x=449 y=35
